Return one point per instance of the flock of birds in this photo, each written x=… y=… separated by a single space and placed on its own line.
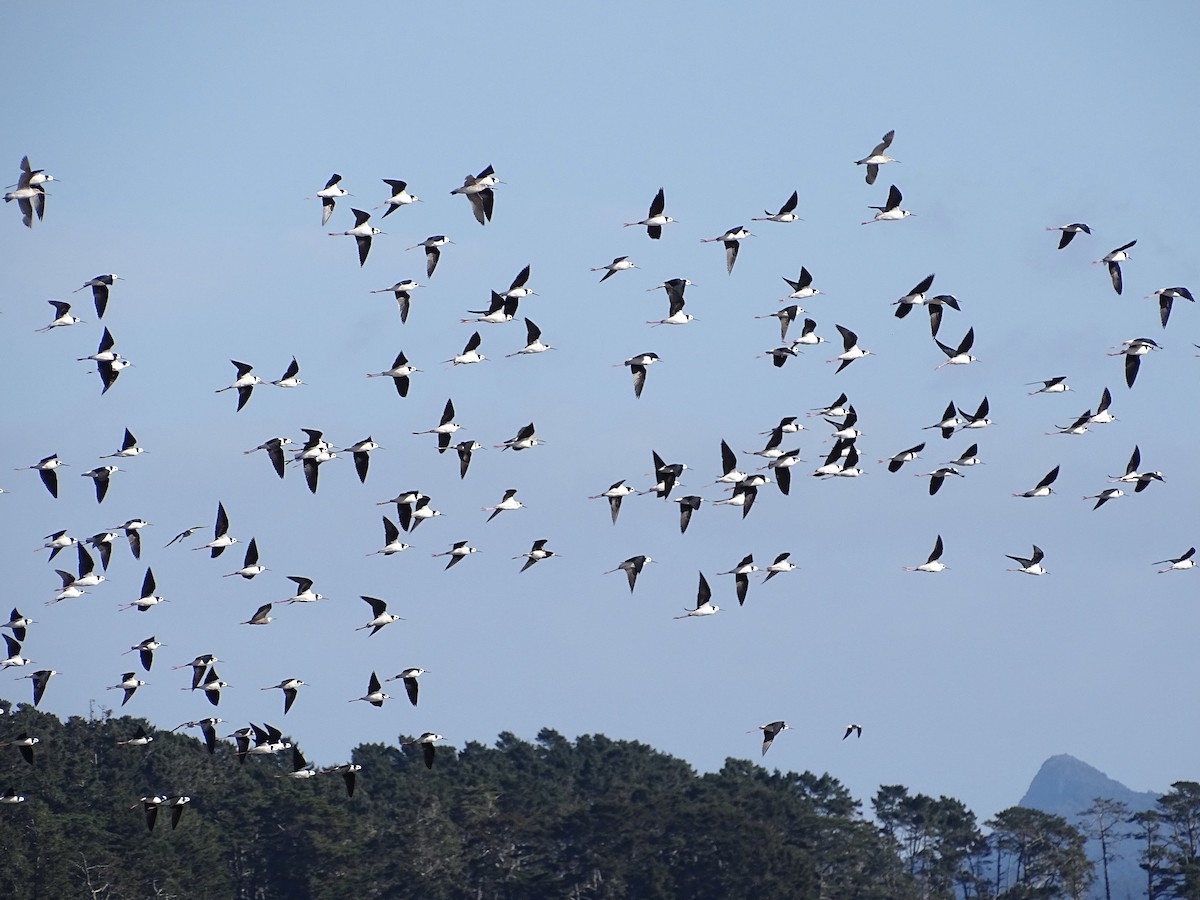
x=741 y=484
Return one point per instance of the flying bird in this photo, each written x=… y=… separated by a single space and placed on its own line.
x=221 y=537
x=426 y=741
x=46 y=471
x=100 y=286
x=890 y=211
x=199 y=667
x=470 y=353
x=637 y=367
x=208 y=728
x=400 y=373
x=704 y=605
x=501 y=309
x=140 y=738
x=1032 y=565
x=525 y=439
x=616 y=492
x=536 y=553
x=744 y=495
x=675 y=313
x=329 y=195
x=104 y=352
x=109 y=371
x=304 y=592
x=433 y=251
x=1102 y=416
x=771 y=730
x=786 y=213
x=802 y=287
x=1140 y=480
x=655 y=219
x=40 y=679
x=18 y=623
x=402 y=291
x=262 y=616
x=148 y=598
x=687 y=506
x=301 y=768
x=786 y=316
x=620 y=264
x=62 y=316
x=780 y=566
x=458 y=551
x=933 y=563
x=667 y=474
x=977 y=419
x=100 y=476
x=446 y=427
x=509 y=502
x=732 y=241
x=56 y=542
x=362 y=232
x=30 y=192
x=290 y=687
x=399 y=197
x=391 y=536
x=1043 y=488
x=133 y=534
x=741 y=573
x=360 y=453
x=145 y=651
x=291 y=376
x=1079 y=426
x=129 y=683
x=184 y=535
x=1069 y=232
x=948 y=423
x=877 y=157
x=410 y=516
x=915 y=297
x=478 y=189
x=409 y=677
x=1056 y=385
x=380 y=615
x=904 y=456
x=1179 y=563
x=960 y=355
x=851 y=350
x=935 y=305
x=244 y=383
x=349 y=772
x=250 y=565
x=1167 y=296
x=24 y=745
x=129 y=448
x=533 y=341
x=1113 y=260
x=1133 y=350
x=856 y=730
x=14 y=657
x=938 y=476
x=632 y=568
x=375 y=694
x=1104 y=496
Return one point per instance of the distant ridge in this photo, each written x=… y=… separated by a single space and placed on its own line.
x=1065 y=786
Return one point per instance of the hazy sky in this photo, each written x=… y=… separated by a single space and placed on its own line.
x=185 y=143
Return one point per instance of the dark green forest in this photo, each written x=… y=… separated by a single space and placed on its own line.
x=552 y=818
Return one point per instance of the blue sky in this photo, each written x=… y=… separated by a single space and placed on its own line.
x=185 y=144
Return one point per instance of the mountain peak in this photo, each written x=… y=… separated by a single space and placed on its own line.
x=1065 y=786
